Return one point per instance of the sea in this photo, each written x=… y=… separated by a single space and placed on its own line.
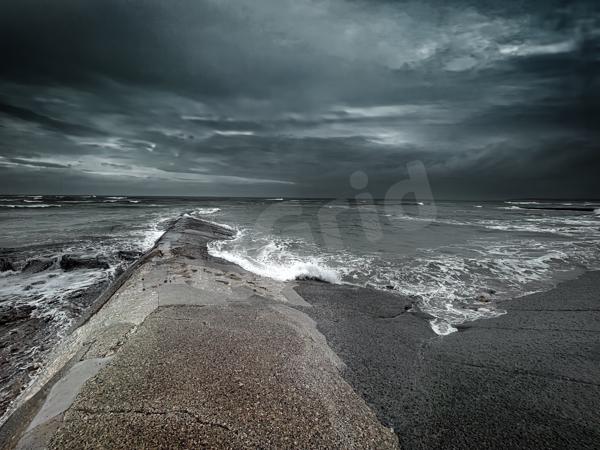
x=457 y=260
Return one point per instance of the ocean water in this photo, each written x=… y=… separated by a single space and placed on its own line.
x=457 y=260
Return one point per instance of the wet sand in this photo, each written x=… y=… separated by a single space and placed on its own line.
x=192 y=351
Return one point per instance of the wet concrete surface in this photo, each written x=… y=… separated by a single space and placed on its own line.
x=528 y=379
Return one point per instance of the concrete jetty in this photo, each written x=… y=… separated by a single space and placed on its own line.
x=190 y=351
x=193 y=352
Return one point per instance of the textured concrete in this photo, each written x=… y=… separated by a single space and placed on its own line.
x=528 y=379
x=234 y=376
x=202 y=354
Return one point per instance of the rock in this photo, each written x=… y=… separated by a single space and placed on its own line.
x=311 y=278
x=128 y=255
x=6 y=265
x=37 y=265
x=68 y=263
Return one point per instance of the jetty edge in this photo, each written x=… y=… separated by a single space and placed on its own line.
x=187 y=350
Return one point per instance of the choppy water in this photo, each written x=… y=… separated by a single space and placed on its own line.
x=457 y=259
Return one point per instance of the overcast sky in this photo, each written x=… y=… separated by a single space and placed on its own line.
x=290 y=97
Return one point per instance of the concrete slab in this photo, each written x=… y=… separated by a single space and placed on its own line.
x=183 y=294
x=236 y=375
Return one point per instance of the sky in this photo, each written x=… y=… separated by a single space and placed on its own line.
x=291 y=97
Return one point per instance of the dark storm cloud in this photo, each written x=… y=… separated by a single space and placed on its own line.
x=33 y=163
x=44 y=121
x=282 y=97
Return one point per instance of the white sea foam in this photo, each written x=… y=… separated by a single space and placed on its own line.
x=337 y=206
x=154 y=231
x=272 y=260
x=150 y=238
x=492 y=225
x=292 y=271
x=30 y=206
x=597 y=211
x=222 y=225
x=206 y=211
x=45 y=290
x=440 y=279
x=441 y=327
x=280 y=199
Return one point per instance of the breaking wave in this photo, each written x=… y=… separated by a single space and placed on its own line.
x=205 y=211
x=272 y=258
x=453 y=283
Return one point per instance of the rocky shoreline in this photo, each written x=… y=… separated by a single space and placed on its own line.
x=28 y=335
x=190 y=351
x=26 y=340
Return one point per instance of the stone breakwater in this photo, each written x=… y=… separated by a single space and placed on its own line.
x=192 y=351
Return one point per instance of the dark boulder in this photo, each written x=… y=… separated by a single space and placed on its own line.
x=68 y=263
x=37 y=265
x=311 y=278
x=6 y=265
x=128 y=255
x=483 y=299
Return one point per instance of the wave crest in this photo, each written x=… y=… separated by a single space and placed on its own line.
x=272 y=259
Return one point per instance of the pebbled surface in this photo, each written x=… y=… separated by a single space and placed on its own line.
x=234 y=376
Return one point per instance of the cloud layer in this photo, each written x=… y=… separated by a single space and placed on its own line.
x=290 y=97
